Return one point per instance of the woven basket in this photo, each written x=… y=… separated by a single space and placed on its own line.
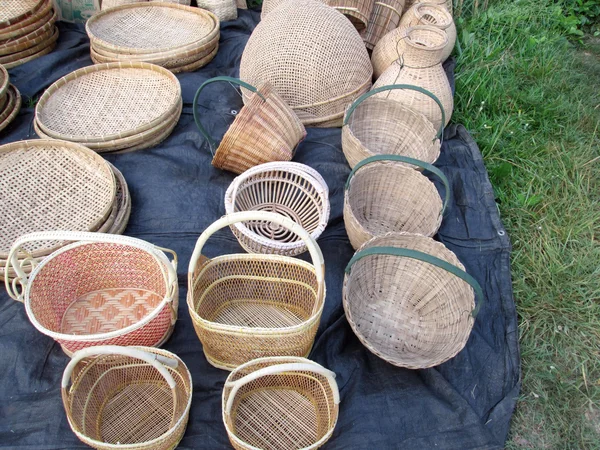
x=247 y=306
x=357 y=11
x=127 y=397
x=418 y=314
x=445 y=3
x=383 y=195
x=29 y=40
x=34 y=20
x=15 y=11
x=101 y=290
x=18 y=58
x=280 y=403
x=12 y=106
x=385 y=17
x=4 y=81
x=291 y=189
x=313 y=57
x=265 y=130
x=241 y=4
x=223 y=9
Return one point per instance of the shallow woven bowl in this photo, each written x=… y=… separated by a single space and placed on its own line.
x=280 y=404
x=357 y=11
x=291 y=189
x=15 y=11
x=152 y=388
x=408 y=312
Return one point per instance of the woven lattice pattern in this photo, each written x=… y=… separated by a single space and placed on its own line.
x=31 y=22
x=313 y=57
x=14 y=10
x=408 y=312
x=45 y=41
x=385 y=17
x=223 y=9
x=357 y=11
x=387 y=196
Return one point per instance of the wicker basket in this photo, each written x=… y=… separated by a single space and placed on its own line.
x=15 y=11
x=12 y=106
x=127 y=397
x=241 y=4
x=379 y=126
x=291 y=189
x=385 y=17
x=384 y=195
x=101 y=290
x=357 y=11
x=409 y=300
x=223 y=9
x=265 y=130
x=445 y=3
x=247 y=306
x=313 y=57
x=112 y=3
x=280 y=403
x=36 y=19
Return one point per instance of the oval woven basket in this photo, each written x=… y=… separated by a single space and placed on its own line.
x=375 y=126
x=280 y=403
x=102 y=289
x=247 y=306
x=47 y=44
x=291 y=189
x=385 y=17
x=265 y=130
x=383 y=195
x=313 y=57
x=418 y=315
x=127 y=397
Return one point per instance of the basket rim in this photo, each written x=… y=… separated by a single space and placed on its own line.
x=37 y=37
x=48 y=41
x=438 y=7
x=42 y=52
x=24 y=19
x=13 y=102
x=36 y=20
x=4 y=80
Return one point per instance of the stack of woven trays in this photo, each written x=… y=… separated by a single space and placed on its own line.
x=180 y=38
x=10 y=99
x=111 y=107
x=27 y=30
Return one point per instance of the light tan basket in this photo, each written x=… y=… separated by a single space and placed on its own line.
x=29 y=40
x=357 y=11
x=409 y=300
x=291 y=189
x=19 y=57
x=280 y=403
x=445 y=3
x=4 y=81
x=223 y=9
x=20 y=62
x=265 y=130
x=375 y=126
x=384 y=195
x=247 y=306
x=313 y=57
x=385 y=17
x=12 y=106
x=102 y=289
x=127 y=397
x=36 y=20
x=15 y=11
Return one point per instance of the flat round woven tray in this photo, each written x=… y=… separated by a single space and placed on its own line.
x=12 y=107
x=4 y=78
x=33 y=22
x=74 y=189
x=50 y=41
x=43 y=52
x=29 y=40
x=105 y=102
x=13 y=11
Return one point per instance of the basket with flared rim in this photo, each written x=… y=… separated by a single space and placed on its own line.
x=380 y=126
x=385 y=17
x=247 y=306
x=264 y=130
x=409 y=300
x=127 y=397
x=383 y=195
x=102 y=289
x=280 y=403
x=291 y=189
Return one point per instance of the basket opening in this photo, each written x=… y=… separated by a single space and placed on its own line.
x=427 y=39
x=428 y=15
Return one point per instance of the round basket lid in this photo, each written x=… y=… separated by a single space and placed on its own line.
x=108 y=101
x=51 y=185
x=13 y=11
x=150 y=28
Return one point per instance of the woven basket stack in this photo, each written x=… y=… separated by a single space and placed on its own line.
x=10 y=99
x=27 y=31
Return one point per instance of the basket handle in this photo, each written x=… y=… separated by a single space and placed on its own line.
x=237 y=81
x=23 y=279
x=425 y=257
x=157 y=361
x=405 y=159
x=279 y=369
x=390 y=87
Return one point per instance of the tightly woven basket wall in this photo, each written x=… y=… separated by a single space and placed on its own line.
x=357 y=11
x=313 y=57
x=265 y=130
x=418 y=315
x=445 y=3
x=280 y=404
x=385 y=17
x=247 y=306
x=384 y=195
x=223 y=9
x=112 y=3
x=101 y=290
x=291 y=189
x=127 y=397
x=380 y=126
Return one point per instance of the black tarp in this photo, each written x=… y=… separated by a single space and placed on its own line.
x=176 y=193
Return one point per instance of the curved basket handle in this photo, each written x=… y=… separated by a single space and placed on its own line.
x=390 y=87
x=23 y=279
x=237 y=81
x=408 y=160
x=157 y=361
x=427 y=258
x=279 y=369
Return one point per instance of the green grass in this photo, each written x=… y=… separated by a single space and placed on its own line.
x=531 y=100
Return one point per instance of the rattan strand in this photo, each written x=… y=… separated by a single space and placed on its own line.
x=385 y=17
x=33 y=22
x=11 y=108
x=223 y=9
x=15 y=11
x=49 y=41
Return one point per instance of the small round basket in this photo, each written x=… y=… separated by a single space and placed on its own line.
x=103 y=289
x=384 y=195
x=265 y=130
x=381 y=126
x=127 y=397
x=291 y=189
x=281 y=403
x=409 y=300
x=247 y=306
